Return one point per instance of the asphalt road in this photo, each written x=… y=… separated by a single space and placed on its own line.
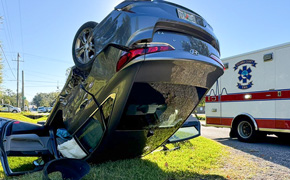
x=270 y=148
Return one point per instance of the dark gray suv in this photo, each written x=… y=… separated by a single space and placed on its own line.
x=138 y=76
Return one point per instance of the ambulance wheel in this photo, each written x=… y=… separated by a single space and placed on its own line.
x=245 y=131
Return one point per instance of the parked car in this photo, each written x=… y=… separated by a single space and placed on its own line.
x=42 y=109
x=138 y=76
x=49 y=109
x=9 y=108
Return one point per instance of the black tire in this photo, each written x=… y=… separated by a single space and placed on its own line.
x=245 y=131
x=14 y=111
x=233 y=133
x=83 y=48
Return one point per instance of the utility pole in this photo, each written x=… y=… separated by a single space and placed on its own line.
x=23 y=98
x=18 y=59
x=18 y=56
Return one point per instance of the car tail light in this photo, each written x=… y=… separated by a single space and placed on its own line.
x=148 y=49
x=217 y=59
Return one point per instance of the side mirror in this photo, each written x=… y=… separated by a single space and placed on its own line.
x=189 y=130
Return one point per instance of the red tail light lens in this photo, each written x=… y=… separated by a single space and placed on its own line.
x=214 y=57
x=129 y=56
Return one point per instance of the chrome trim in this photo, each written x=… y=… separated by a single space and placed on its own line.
x=275 y=130
x=251 y=117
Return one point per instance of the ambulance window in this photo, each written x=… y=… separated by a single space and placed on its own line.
x=226 y=65
x=268 y=57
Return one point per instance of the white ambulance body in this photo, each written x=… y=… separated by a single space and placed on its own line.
x=253 y=95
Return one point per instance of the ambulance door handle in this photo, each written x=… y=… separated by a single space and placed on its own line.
x=268 y=95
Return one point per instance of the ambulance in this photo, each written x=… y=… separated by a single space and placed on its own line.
x=253 y=96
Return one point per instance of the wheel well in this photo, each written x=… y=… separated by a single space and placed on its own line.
x=244 y=116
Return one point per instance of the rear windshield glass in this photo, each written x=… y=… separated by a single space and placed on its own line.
x=159 y=105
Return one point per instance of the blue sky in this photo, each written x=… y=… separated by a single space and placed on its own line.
x=43 y=31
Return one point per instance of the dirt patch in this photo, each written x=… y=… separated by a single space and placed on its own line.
x=34 y=116
x=240 y=165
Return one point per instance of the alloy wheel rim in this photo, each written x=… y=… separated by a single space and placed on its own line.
x=84 y=47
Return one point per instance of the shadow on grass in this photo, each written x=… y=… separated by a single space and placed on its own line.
x=141 y=169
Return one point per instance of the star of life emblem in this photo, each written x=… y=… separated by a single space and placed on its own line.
x=244 y=73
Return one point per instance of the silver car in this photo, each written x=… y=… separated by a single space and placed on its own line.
x=9 y=108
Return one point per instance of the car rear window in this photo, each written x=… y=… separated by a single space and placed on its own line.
x=159 y=105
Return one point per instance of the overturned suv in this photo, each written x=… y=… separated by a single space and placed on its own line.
x=138 y=76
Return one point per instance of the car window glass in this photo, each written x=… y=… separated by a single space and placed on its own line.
x=91 y=133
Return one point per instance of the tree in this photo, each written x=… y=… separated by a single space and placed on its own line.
x=45 y=99
x=9 y=97
x=67 y=72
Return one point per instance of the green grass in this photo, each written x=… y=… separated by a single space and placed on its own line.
x=21 y=117
x=201 y=116
x=199 y=158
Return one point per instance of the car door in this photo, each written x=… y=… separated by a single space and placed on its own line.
x=5 y=108
x=24 y=143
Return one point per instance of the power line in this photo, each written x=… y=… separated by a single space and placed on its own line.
x=42 y=57
x=8 y=27
x=49 y=59
x=39 y=86
x=36 y=81
x=7 y=61
x=41 y=73
x=20 y=24
x=39 y=76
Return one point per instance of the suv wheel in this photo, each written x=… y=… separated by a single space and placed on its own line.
x=83 y=48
